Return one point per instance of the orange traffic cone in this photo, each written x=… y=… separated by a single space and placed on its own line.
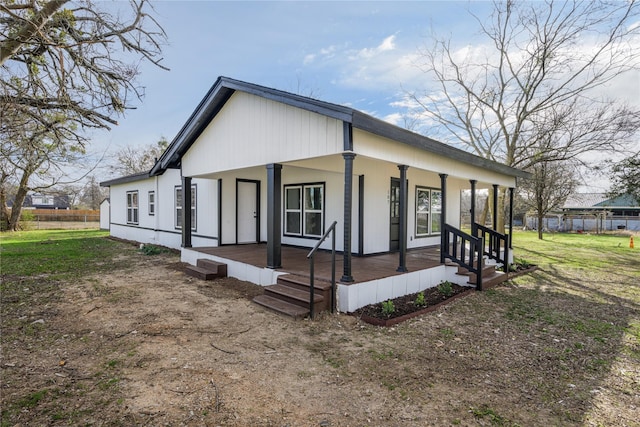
x=631 y=242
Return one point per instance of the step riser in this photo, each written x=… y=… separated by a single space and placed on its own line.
x=318 y=306
x=473 y=278
x=304 y=285
x=326 y=293
x=281 y=307
x=487 y=269
x=218 y=268
x=200 y=274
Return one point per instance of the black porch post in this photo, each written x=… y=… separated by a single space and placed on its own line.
x=274 y=223
x=402 y=238
x=219 y=212
x=473 y=206
x=361 y=215
x=186 y=212
x=443 y=214
x=495 y=207
x=511 y=190
x=348 y=201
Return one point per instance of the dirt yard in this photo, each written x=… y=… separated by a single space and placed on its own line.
x=148 y=345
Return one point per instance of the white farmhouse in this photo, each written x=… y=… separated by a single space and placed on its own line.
x=256 y=176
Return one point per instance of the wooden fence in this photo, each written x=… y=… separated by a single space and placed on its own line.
x=60 y=215
x=588 y=223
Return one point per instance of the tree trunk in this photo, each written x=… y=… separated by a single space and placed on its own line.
x=16 y=210
x=4 y=210
x=502 y=206
x=21 y=194
x=540 y=225
x=485 y=211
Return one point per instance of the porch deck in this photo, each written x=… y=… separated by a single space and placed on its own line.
x=294 y=261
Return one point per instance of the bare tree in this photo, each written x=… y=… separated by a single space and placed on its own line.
x=530 y=95
x=132 y=160
x=92 y=194
x=64 y=71
x=626 y=177
x=550 y=185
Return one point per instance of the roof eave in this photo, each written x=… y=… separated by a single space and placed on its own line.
x=126 y=179
x=216 y=98
x=379 y=127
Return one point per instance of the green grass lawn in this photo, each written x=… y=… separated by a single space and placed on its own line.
x=558 y=346
x=575 y=250
x=57 y=253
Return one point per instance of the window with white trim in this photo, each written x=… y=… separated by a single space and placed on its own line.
x=178 y=207
x=152 y=202
x=132 y=207
x=428 y=211
x=304 y=210
x=293 y=210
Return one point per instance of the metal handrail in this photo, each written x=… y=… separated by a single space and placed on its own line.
x=496 y=241
x=311 y=258
x=470 y=259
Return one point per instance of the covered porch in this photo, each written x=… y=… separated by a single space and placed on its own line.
x=375 y=277
x=294 y=261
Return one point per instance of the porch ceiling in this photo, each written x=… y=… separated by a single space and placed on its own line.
x=363 y=165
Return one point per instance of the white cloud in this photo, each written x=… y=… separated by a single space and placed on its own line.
x=388 y=44
x=394 y=118
x=390 y=64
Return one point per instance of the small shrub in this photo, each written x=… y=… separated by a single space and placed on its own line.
x=520 y=264
x=152 y=249
x=27 y=218
x=445 y=288
x=388 y=308
x=420 y=301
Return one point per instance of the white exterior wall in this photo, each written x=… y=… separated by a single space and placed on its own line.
x=160 y=228
x=253 y=131
x=377 y=147
x=377 y=185
x=334 y=201
x=105 y=207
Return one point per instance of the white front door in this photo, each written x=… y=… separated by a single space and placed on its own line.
x=247 y=213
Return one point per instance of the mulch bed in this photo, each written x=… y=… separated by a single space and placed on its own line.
x=406 y=308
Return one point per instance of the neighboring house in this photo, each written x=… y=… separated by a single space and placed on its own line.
x=595 y=212
x=44 y=201
x=272 y=170
x=589 y=203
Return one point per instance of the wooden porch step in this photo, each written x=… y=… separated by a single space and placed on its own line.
x=281 y=306
x=293 y=295
x=292 y=290
x=487 y=271
x=219 y=268
x=490 y=276
x=200 y=273
x=302 y=283
x=206 y=269
x=493 y=280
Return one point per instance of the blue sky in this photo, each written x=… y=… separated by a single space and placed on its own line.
x=352 y=53
x=359 y=53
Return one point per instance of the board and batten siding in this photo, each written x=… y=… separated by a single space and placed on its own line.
x=377 y=147
x=377 y=209
x=253 y=131
x=160 y=228
x=334 y=198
